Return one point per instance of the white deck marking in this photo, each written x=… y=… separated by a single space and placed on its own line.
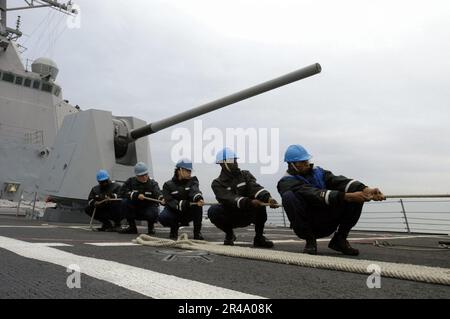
x=51 y=244
x=143 y=281
x=112 y=244
x=12 y=226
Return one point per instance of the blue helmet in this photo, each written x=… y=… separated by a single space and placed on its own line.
x=184 y=163
x=225 y=155
x=296 y=153
x=102 y=175
x=140 y=169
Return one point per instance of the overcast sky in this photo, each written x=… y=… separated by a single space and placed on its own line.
x=379 y=111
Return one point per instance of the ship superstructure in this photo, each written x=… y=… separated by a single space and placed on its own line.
x=32 y=107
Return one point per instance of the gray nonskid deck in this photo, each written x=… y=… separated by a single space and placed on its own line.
x=39 y=279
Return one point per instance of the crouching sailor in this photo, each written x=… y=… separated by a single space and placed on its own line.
x=142 y=197
x=241 y=199
x=103 y=199
x=184 y=201
x=319 y=203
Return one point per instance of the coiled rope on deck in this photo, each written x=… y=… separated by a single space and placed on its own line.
x=435 y=275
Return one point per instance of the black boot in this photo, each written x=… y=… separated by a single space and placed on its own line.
x=131 y=229
x=310 y=247
x=197 y=234
x=262 y=242
x=173 y=233
x=229 y=239
x=151 y=229
x=106 y=226
x=341 y=244
x=117 y=226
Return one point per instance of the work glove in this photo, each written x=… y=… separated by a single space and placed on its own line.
x=273 y=203
x=374 y=193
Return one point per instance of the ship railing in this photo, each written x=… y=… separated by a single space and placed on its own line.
x=28 y=199
x=24 y=207
x=29 y=205
x=426 y=214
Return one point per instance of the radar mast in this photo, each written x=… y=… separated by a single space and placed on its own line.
x=14 y=34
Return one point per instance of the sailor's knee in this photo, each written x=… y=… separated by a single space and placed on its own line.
x=165 y=218
x=214 y=212
x=153 y=213
x=289 y=197
x=292 y=200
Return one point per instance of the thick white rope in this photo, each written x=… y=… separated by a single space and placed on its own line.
x=418 y=273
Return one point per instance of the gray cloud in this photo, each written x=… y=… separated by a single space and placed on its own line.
x=379 y=111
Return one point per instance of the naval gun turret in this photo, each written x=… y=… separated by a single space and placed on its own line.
x=84 y=144
x=121 y=142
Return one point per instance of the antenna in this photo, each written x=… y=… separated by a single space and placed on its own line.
x=3 y=18
x=18 y=23
x=66 y=8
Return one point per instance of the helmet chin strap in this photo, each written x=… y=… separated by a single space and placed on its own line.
x=227 y=167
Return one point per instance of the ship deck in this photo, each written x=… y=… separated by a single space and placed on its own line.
x=44 y=275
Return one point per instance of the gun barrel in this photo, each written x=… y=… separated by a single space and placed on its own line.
x=228 y=100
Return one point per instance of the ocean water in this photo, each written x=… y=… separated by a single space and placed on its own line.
x=430 y=216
